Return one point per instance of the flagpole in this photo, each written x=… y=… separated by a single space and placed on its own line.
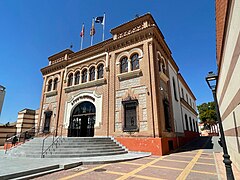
x=91 y=40
x=103 y=26
x=81 y=42
x=92 y=29
x=82 y=37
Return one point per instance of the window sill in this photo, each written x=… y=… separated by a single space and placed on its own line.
x=136 y=129
x=164 y=77
x=85 y=85
x=51 y=93
x=129 y=75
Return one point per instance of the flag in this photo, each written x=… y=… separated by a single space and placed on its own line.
x=99 y=19
x=82 y=32
x=92 y=31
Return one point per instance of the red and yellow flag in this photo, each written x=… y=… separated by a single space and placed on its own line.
x=92 y=31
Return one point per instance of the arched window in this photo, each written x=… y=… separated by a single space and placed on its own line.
x=191 y=128
x=174 y=89
x=92 y=74
x=49 y=85
x=167 y=115
x=182 y=93
x=194 y=127
x=70 y=79
x=163 y=66
x=186 y=122
x=124 y=65
x=84 y=76
x=55 y=83
x=77 y=77
x=134 y=62
x=100 y=71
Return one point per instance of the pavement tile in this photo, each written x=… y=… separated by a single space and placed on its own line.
x=159 y=173
x=207 y=155
x=142 y=160
x=173 y=164
x=211 y=161
x=96 y=176
x=56 y=176
x=172 y=157
x=134 y=178
x=200 y=176
x=205 y=168
x=185 y=154
x=123 y=168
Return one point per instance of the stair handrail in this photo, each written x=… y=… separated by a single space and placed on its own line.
x=53 y=141
x=18 y=136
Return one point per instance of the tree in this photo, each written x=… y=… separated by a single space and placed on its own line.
x=207 y=113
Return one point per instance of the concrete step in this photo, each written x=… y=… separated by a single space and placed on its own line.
x=84 y=155
x=87 y=148
x=85 y=151
x=73 y=151
x=70 y=147
x=30 y=172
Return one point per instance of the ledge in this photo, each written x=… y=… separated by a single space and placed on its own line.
x=188 y=106
x=164 y=77
x=129 y=75
x=136 y=129
x=85 y=85
x=51 y=93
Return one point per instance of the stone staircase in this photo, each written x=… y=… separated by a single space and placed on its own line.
x=69 y=147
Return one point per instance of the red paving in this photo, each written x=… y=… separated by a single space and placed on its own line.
x=172 y=166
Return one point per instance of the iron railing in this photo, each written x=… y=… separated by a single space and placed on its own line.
x=54 y=140
x=16 y=139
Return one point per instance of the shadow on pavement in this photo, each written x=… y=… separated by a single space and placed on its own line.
x=208 y=143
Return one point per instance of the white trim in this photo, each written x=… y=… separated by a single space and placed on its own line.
x=70 y=105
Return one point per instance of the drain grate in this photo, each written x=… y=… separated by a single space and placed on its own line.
x=100 y=170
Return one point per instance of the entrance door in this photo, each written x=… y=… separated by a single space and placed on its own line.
x=48 y=115
x=84 y=126
x=82 y=120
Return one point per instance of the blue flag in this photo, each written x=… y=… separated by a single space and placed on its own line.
x=99 y=19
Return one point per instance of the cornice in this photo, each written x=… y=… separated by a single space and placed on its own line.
x=186 y=85
x=54 y=67
x=128 y=40
x=91 y=50
x=188 y=106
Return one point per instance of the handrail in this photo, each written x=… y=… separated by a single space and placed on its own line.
x=53 y=141
x=18 y=136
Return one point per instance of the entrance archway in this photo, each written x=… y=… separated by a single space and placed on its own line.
x=82 y=120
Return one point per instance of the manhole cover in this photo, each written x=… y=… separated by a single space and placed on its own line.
x=100 y=170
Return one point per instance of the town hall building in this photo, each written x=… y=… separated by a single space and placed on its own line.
x=127 y=87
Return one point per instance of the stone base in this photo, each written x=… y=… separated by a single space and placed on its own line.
x=157 y=146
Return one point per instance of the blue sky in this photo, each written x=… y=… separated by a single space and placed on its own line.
x=31 y=31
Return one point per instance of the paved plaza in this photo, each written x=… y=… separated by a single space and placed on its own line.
x=201 y=159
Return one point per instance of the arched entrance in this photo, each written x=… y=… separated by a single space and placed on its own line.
x=82 y=120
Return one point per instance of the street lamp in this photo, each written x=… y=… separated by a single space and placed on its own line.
x=212 y=81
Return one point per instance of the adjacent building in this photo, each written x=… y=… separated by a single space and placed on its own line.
x=228 y=89
x=128 y=87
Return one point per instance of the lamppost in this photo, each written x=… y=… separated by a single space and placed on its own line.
x=212 y=81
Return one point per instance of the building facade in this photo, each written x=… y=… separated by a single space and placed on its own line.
x=123 y=87
x=228 y=89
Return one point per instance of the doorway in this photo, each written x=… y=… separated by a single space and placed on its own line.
x=82 y=120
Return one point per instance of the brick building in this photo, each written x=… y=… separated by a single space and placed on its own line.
x=127 y=87
x=228 y=89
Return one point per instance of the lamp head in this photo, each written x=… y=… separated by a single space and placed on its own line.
x=211 y=79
